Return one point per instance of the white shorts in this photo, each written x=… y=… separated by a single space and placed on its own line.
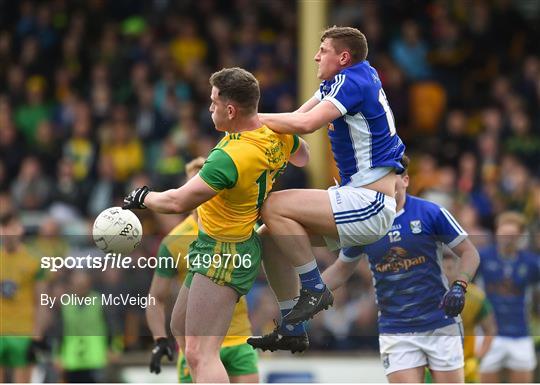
x=440 y=349
x=510 y=353
x=362 y=216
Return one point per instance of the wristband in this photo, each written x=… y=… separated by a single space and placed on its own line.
x=461 y=283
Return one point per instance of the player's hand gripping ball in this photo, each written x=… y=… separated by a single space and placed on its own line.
x=135 y=199
x=117 y=231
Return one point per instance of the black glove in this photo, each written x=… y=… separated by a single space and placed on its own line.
x=454 y=299
x=37 y=348
x=135 y=199
x=163 y=347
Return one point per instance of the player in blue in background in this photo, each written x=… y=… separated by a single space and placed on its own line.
x=367 y=150
x=418 y=312
x=507 y=272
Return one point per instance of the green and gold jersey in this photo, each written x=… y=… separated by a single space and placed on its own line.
x=477 y=307
x=19 y=272
x=242 y=168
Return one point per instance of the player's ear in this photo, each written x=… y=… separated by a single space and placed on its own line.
x=231 y=111
x=345 y=58
x=405 y=179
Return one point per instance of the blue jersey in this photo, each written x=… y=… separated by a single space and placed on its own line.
x=364 y=140
x=505 y=284
x=407 y=267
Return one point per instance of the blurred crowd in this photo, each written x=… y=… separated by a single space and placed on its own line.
x=98 y=96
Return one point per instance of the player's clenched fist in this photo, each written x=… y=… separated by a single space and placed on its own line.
x=163 y=347
x=454 y=299
x=135 y=199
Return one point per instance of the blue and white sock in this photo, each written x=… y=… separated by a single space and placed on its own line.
x=289 y=329
x=310 y=277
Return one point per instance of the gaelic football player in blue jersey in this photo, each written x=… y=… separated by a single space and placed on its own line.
x=352 y=104
x=508 y=271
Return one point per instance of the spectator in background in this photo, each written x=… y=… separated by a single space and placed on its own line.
x=522 y=142
x=46 y=148
x=80 y=150
x=31 y=190
x=68 y=195
x=454 y=139
x=16 y=78
x=104 y=191
x=29 y=115
x=121 y=145
x=12 y=149
x=410 y=52
x=188 y=49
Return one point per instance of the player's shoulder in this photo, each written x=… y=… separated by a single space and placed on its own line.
x=423 y=205
x=362 y=74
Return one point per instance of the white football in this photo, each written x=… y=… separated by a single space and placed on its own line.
x=117 y=231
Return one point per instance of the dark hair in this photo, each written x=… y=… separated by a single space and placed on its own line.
x=347 y=38
x=239 y=86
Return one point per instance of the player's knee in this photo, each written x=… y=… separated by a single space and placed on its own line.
x=271 y=207
x=193 y=354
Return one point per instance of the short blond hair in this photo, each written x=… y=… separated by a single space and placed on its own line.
x=512 y=217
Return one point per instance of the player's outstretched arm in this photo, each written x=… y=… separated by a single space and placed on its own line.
x=301 y=156
x=343 y=268
x=302 y=122
x=307 y=106
x=180 y=200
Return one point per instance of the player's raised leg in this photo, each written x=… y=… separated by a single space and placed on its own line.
x=290 y=220
x=283 y=280
x=209 y=312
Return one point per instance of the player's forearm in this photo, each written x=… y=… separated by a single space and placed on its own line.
x=485 y=346
x=155 y=316
x=308 y=105
x=337 y=274
x=469 y=260
x=288 y=123
x=167 y=202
